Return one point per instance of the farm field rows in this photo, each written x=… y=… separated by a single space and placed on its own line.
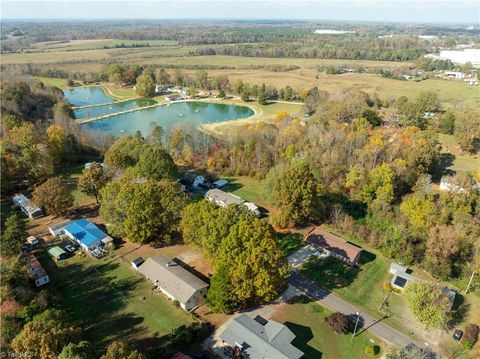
x=74 y=45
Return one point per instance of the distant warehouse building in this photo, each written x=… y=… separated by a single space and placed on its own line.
x=36 y=271
x=27 y=206
x=175 y=281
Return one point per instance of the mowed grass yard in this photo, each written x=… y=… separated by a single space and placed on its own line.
x=110 y=299
x=463 y=162
x=314 y=336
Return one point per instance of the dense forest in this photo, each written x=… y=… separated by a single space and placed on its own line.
x=265 y=39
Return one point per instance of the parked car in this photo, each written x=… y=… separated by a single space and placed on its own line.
x=26 y=248
x=33 y=240
x=69 y=248
x=457 y=335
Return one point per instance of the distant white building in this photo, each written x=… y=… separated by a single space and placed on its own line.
x=457 y=75
x=460 y=57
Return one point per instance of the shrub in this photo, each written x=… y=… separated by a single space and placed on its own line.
x=471 y=336
x=372 y=350
x=386 y=286
x=339 y=322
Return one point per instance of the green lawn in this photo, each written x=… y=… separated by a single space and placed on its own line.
x=314 y=336
x=110 y=299
x=362 y=286
x=463 y=162
x=60 y=83
x=250 y=189
x=71 y=175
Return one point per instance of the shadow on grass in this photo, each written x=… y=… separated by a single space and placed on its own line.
x=329 y=273
x=303 y=335
x=290 y=242
x=460 y=310
x=366 y=257
x=446 y=160
x=94 y=298
x=233 y=185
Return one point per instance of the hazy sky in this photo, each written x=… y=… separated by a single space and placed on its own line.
x=440 y=11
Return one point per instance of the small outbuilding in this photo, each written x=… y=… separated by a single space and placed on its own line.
x=192 y=180
x=220 y=183
x=27 y=206
x=57 y=253
x=58 y=228
x=222 y=198
x=137 y=262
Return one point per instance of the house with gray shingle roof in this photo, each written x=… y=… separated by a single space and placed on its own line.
x=175 y=281
x=260 y=338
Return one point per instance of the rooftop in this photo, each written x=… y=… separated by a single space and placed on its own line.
x=224 y=197
x=333 y=244
x=172 y=277
x=59 y=225
x=34 y=267
x=85 y=231
x=261 y=339
x=26 y=203
x=56 y=251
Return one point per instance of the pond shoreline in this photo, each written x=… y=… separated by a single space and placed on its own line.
x=214 y=101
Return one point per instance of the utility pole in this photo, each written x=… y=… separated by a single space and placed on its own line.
x=473 y=271
x=355 y=330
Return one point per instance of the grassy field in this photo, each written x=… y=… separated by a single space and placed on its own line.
x=314 y=336
x=250 y=189
x=110 y=299
x=463 y=162
x=71 y=175
x=451 y=93
x=75 y=45
x=60 y=83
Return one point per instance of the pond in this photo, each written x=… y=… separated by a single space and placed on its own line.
x=86 y=95
x=195 y=113
x=101 y=110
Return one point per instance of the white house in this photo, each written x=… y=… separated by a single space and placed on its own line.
x=457 y=75
x=175 y=281
x=222 y=198
x=252 y=207
x=58 y=228
x=192 y=180
x=27 y=206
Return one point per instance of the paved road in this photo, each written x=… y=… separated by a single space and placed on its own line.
x=337 y=304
